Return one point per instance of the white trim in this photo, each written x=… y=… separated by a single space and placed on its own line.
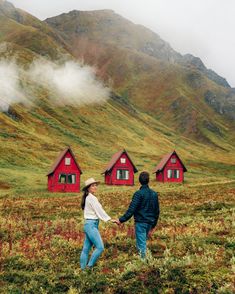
x=67 y=161
x=123 y=160
x=125 y=174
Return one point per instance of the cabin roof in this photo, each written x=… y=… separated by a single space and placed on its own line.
x=164 y=161
x=60 y=157
x=115 y=158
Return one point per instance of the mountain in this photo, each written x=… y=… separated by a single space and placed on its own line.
x=160 y=100
x=107 y=27
x=20 y=28
x=148 y=72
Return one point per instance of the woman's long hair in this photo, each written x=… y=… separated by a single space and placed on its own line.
x=84 y=196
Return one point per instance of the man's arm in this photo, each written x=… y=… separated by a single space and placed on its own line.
x=132 y=207
x=157 y=210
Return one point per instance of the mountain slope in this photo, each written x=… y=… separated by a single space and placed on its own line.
x=107 y=27
x=150 y=73
x=23 y=29
x=157 y=105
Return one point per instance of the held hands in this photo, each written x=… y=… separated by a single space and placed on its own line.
x=116 y=221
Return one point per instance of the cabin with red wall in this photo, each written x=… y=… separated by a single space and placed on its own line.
x=64 y=175
x=170 y=169
x=120 y=170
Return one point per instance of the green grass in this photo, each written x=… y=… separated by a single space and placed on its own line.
x=191 y=251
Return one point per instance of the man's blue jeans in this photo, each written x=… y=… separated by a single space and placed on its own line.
x=141 y=234
x=92 y=237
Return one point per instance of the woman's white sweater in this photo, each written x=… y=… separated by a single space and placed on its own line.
x=94 y=210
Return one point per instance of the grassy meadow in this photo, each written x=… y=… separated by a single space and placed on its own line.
x=191 y=250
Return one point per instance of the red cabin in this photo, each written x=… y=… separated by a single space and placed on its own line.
x=65 y=173
x=120 y=170
x=170 y=169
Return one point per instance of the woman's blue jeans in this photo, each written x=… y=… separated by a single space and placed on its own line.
x=141 y=233
x=92 y=237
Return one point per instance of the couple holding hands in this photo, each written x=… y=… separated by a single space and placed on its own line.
x=144 y=206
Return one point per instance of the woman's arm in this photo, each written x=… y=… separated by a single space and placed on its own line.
x=99 y=210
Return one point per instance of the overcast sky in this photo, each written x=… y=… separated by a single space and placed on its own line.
x=204 y=28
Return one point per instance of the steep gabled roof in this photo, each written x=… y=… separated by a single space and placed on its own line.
x=115 y=158
x=164 y=161
x=60 y=157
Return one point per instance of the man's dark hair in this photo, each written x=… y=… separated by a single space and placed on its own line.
x=144 y=178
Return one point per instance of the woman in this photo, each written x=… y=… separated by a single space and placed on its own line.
x=93 y=211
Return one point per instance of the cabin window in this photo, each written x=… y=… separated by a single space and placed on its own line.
x=173 y=174
x=71 y=178
x=123 y=160
x=173 y=160
x=62 y=178
x=176 y=174
x=67 y=160
x=169 y=173
x=122 y=174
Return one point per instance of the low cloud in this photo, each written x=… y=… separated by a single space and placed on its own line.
x=71 y=83
x=10 y=89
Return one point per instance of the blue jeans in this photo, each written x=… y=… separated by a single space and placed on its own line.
x=141 y=234
x=92 y=237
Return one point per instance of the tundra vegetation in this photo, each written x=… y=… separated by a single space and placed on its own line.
x=191 y=250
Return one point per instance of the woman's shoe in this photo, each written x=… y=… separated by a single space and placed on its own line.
x=89 y=269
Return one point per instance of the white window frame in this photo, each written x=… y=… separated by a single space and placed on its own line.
x=123 y=160
x=173 y=173
x=67 y=161
x=169 y=173
x=64 y=176
x=173 y=160
x=73 y=179
x=177 y=174
x=126 y=174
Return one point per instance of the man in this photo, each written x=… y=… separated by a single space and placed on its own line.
x=145 y=208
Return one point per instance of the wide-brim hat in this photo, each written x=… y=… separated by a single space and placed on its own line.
x=89 y=182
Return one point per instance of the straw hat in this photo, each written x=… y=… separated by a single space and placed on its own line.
x=89 y=182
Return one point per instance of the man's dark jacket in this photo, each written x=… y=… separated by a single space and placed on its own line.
x=144 y=206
